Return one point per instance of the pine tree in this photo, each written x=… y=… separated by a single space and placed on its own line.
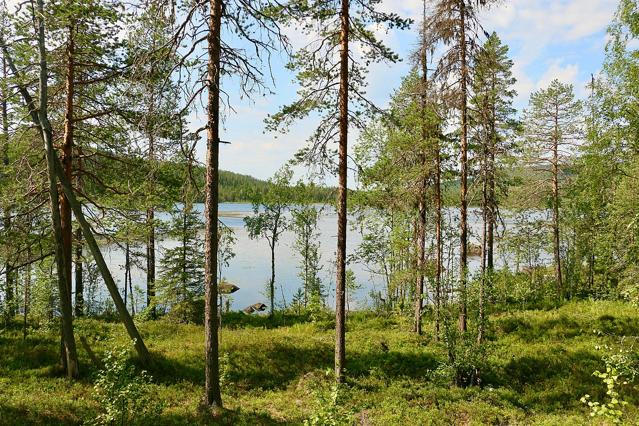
x=552 y=128
x=334 y=85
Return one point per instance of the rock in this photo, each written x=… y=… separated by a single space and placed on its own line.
x=227 y=288
x=256 y=307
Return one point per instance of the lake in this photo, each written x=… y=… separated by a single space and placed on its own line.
x=250 y=268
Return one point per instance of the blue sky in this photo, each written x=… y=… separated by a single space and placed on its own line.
x=548 y=39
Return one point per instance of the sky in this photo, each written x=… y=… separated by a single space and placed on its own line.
x=548 y=39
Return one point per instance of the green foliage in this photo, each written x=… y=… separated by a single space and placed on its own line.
x=540 y=365
x=188 y=311
x=125 y=396
x=329 y=410
x=466 y=357
x=304 y=225
x=182 y=267
x=315 y=66
x=269 y=221
x=621 y=369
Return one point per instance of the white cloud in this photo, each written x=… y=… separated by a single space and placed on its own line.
x=564 y=73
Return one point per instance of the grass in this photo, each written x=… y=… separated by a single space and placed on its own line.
x=540 y=363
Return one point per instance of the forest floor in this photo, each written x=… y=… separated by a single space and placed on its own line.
x=539 y=365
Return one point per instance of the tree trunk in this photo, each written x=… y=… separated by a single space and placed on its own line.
x=212 y=393
x=70 y=354
x=463 y=211
x=27 y=289
x=272 y=284
x=127 y=269
x=492 y=197
x=67 y=163
x=555 y=209
x=9 y=273
x=340 y=283
x=79 y=274
x=484 y=254
x=125 y=317
x=421 y=224
x=150 y=248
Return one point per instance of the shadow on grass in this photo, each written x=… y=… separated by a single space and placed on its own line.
x=534 y=330
x=279 y=364
x=170 y=371
x=10 y=416
x=235 y=320
x=391 y=364
x=226 y=417
x=549 y=381
x=20 y=355
x=565 y=327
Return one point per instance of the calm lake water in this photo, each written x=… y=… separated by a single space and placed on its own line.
x=250 y=268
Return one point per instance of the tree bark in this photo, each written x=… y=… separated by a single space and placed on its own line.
x=484 y=254
x=340 y=283
x=272 y=289
x=421 y=204
x=132 y=330
x=555 y=208
x=79 y=274
x=150 y=248
x=27 y=290
x=9 y=273
x=67 y=163
x=463 y=211
x=212 y=392
x=71 y=358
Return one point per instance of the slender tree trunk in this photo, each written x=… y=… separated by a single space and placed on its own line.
x=484 y=254
x=79 y=274
x=421 y=204
x=439 y=249
x=67 y=163
x=131 y=296
x=272 y=283
x=555 y=210
x=213 y=396
x=340 y=283
x=127 y=269
x=27 y=290
x=492 y=197
x=71 y=357
x=463 y=211
x=150 y=221
x=9 y=273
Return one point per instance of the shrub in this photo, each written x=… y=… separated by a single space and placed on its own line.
x=189 y=311
x=330 y=410
x=124 y=394
x=621 y=369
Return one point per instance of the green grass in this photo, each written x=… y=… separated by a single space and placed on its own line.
x=540 y=364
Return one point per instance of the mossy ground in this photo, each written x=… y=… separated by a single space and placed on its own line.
x=540 y=365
